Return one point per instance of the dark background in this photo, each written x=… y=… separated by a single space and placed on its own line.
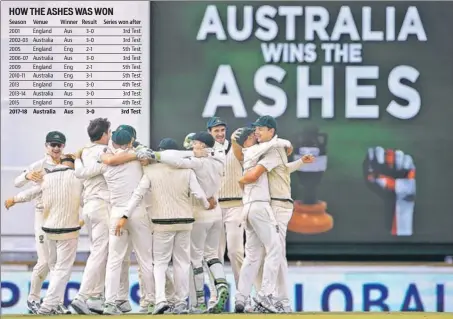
x=183 y=70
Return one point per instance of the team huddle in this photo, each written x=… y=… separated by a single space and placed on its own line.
x=173 y=208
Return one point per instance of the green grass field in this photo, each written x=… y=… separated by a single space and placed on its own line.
x=314 y=315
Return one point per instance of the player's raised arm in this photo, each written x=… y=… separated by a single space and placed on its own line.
x=175 y=154
x=84 y=172
x=32 y=173
x=25 y=196
x=172 y=158
x=295 y=165
x=237 y=149
x=118 y=159
x=255 y=152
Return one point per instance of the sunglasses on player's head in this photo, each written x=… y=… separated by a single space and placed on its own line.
x=55 y=145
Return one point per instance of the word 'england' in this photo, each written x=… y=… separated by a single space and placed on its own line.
x=317 y=23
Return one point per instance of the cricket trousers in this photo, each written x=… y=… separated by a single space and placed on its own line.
x=123 y=293
x=62 y=254
x=282 y=216
x=262 y=240
x=41 y=269
x=172 y=245
x=205 y=238
x=138 y=231
x=232 y=238
x=96 y=214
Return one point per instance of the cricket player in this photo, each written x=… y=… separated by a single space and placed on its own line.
x=122 y=181
x=261 y=230
x=230 y=201
x=60 y=193
x=208 y=223
x=172 y=215
x=96 y=213
x=122 y=301
x=188 y=145
x=123 y=295
x=274 y=163
x=55 y=143
x=252 y=152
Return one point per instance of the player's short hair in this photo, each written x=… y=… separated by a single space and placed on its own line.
x=97 y=128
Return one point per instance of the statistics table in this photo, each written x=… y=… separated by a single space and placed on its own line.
x=76 y=57
x=64 y=64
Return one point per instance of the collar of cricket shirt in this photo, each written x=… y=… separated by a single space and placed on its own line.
x=223 y=146
x=49 y=160
x=91 y=144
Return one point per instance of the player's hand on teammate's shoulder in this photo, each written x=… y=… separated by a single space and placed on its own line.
x=34 y=176
x=9 y=203
x=145 y=154
x=286 y=145
x=307 y=159
x=78 y=154
x=289 y=150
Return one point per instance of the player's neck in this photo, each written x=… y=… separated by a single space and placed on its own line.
x=100 y=143
x=55 y=160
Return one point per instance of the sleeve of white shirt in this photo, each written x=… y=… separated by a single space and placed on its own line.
x=294 y=165
x=138 y=195
x=20 y=180
x=283 y=143
x=174 y=160
x=176 y=153
x=256 y=151
x=28 y=195
x=271 y=160
x=196 y=190
x=92 y=170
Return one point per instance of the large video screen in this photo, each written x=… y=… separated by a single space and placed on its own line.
x=365 y=86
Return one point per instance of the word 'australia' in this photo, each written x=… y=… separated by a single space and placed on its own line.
x=244 y=22
x=42 y=40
